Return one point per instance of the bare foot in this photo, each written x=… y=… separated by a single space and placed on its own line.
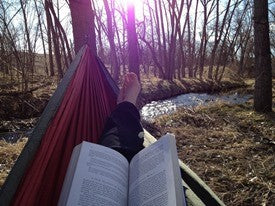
x=130 y=89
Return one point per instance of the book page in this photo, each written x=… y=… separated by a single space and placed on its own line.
x=100 y=178
x=67 y=183
x=155 y=175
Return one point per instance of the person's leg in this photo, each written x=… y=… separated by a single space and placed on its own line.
x=123 y=131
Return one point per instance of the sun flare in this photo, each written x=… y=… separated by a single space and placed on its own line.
x=137 y=3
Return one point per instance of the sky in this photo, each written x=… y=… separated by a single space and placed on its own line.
x=64 y=15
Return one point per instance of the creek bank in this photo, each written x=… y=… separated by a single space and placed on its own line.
x=20 y=111
x=163 y=89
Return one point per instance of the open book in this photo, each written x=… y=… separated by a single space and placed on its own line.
x=98 y=175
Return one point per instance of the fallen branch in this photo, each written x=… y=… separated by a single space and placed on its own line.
x=30 y=105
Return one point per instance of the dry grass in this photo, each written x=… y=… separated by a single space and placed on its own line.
x=8 y=155
x=230 y=147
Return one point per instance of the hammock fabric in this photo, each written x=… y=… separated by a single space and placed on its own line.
x=87 y=103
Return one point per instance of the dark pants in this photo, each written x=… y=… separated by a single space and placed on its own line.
x=123 y=131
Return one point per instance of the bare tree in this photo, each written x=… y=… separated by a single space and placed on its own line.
x=193 y=54
x=39 y=14
x=244 y=42
x=19 y=46
x=55 y=39
x=30 y=56
x=222 y=59
x=111 y=36
x=263 y=75
x=49 y=37
x=204 y=36
x=218 y=35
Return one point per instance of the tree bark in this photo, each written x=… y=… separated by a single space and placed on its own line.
x=263 y=74
x=132 y=41
x=83 y=24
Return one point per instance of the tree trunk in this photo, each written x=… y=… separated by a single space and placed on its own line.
x=132 y=41
x=189 y=65
x=42 y=37
x=263 y=75
x=164 y=50
x=49 y=36
x=83 y=24
x=204 y=40
x=111 y=36
x=193 y=56
x=29 y=64
x=226 y=33
x=159 y=48
x=62 y=34
x=55 y=38
x=218 y=35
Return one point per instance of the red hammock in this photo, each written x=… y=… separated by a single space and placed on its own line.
x=86 y=104
x=77 y=111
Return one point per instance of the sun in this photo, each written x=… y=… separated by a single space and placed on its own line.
x=137 y=3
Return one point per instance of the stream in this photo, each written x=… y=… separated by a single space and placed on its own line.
x=157 y=108
x=18 y=128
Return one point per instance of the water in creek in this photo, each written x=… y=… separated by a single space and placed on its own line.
x=148 y=112
x=156 y=108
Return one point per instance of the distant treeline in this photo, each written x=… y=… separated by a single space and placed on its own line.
x=174 y=38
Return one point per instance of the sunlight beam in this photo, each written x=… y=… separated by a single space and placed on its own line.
x=137 y=4
x=131 y=2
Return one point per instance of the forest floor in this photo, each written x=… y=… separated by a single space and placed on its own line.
x=229 y=146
